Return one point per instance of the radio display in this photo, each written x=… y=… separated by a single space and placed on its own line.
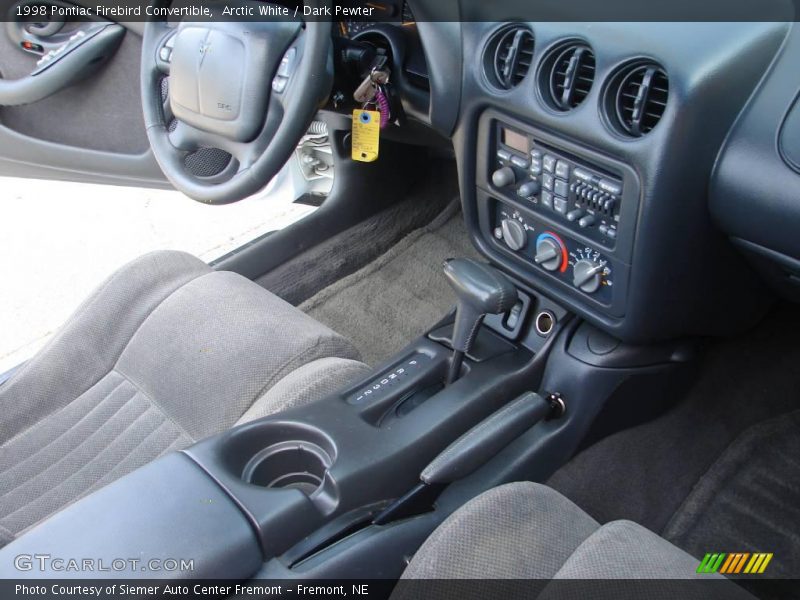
x=515 y=140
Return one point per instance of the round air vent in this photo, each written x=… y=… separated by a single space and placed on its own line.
x=508 y=56
x=637 y=97
x=567 y=75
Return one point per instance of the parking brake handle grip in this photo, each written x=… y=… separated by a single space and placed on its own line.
x=471 y=451
x=77 y=58
x=481 y=443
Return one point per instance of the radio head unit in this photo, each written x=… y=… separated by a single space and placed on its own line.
x=579 y=194
x=563 y=214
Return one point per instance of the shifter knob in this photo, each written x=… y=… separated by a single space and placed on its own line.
x=480 y=290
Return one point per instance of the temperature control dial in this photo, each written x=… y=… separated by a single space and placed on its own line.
x=549 y=253
x=587 y=275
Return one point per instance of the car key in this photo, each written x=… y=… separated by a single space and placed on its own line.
x=366 y=91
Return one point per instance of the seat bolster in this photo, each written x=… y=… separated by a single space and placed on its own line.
x=215 y=346
x=624 y=550
x=90 y=342
x=515 y=531
x=311 y=382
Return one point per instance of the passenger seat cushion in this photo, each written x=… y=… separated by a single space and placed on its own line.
x=516 y=531
x=620 y=548
x=624 y=550
x=529 y=531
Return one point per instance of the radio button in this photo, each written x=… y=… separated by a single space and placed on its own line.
x=574 y=215
x=586 y=221
x=560 y=205
x=548 y=181
x=612 y=187
x=504 y=155
x=520 y=162
x=562 y=169
x=561 y=188
x=549 y=163
x=529 y=190
x=547 y=199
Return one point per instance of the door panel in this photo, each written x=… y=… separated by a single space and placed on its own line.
x=90 y=131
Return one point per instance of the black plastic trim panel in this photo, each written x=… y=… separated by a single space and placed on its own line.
x=754 y=192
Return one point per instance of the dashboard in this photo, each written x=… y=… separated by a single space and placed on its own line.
x=586 y=153
x=612 y=165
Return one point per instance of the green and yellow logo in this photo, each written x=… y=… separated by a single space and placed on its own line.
x=735 y=563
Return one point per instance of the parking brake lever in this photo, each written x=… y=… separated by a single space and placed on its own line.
x=473 y=450
x=480 y=290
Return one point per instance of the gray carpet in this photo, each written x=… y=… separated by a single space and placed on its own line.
x=331 y=260
x=749 y=500
x=645 y=473
x=395 y=298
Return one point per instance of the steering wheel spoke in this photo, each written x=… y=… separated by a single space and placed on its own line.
x=184 y=137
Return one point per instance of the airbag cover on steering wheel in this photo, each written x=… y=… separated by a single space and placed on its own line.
x=221 y=73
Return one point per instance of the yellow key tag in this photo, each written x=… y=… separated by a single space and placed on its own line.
x=366 y=135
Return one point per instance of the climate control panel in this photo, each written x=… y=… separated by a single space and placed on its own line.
x=554 y=253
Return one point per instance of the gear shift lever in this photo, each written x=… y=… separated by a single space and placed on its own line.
x=480 y=290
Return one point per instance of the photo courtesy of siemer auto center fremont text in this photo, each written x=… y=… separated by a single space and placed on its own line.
x=400 y=299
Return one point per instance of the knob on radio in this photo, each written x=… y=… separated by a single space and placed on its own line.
x=504 y=176
x=529 y=189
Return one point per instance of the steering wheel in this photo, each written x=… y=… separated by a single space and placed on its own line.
x=250 y=88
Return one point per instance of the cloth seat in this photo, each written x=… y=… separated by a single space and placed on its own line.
x=527 y=531
x=164 y=353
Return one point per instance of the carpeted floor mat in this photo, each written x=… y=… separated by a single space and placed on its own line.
x=395 y=298
x=325 y=263
x=645 y=473
x=749 y=500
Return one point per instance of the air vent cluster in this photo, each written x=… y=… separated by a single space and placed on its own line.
x=508 y=56
x=638 y=98
x=568 y=75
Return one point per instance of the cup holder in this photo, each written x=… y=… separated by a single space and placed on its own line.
x=288 y=465
x=281 y=455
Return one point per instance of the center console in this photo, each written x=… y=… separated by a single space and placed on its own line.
x=565 y=216
x=291 y=484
